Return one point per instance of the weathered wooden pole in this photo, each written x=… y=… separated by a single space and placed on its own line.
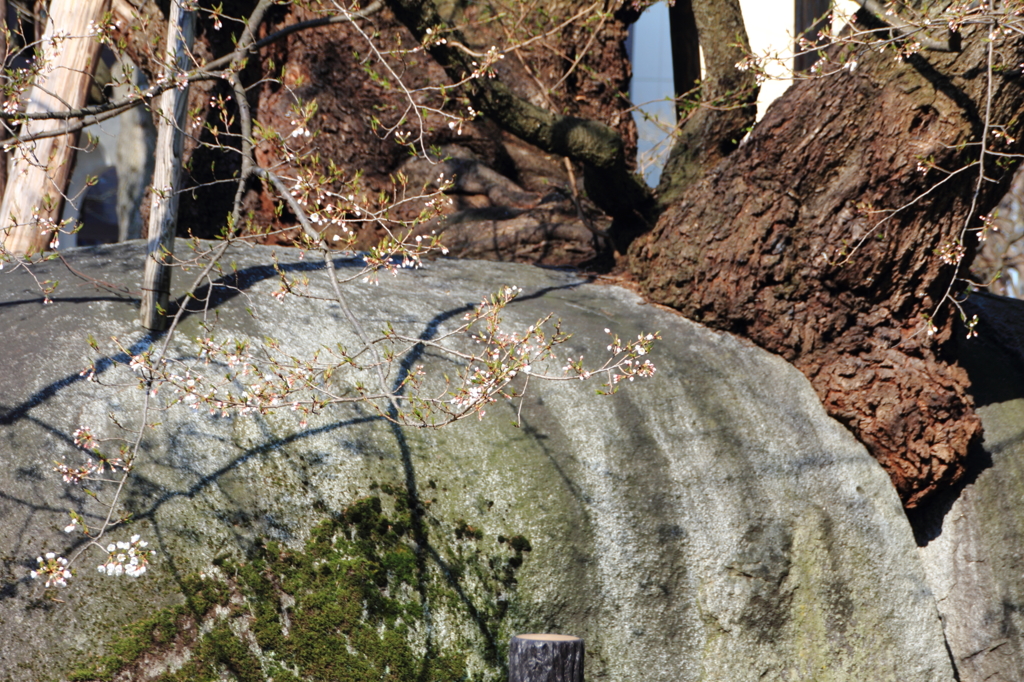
x=545 y=658
x=170 y=143
x=39 y=170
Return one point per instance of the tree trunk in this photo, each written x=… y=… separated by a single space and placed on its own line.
x=785 y=242
x=580 y=66
x=40 y=169
x=597 y=146
x=727 y=105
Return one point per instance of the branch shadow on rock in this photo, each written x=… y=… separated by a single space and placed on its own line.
x=212 y=296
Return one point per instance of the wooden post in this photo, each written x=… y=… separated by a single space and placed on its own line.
x=811 y=16
x=39 y=170
x=545 y=658
x=170 y=143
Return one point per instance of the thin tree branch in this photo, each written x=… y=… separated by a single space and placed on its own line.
x=905 y=30
x=598 y=146
x=318 y=239
x=208 y=71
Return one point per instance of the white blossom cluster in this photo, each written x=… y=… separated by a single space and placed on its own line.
x=103 y=31
x=89 y=470
x=127 y=558
x=508 y=355
x=54 y=568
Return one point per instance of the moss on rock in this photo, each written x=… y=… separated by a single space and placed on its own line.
x=361 y=601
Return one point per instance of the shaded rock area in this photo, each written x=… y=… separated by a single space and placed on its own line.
x=973 y=541
x=711 y=523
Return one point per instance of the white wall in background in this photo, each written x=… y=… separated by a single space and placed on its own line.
x=770 y=31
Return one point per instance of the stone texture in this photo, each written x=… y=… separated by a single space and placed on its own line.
x=973 y=542
x=709 y=524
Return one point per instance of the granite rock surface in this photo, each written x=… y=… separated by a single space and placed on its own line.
x=711 y=523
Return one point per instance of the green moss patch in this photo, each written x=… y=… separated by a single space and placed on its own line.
x=135 y=640
x=361 y=602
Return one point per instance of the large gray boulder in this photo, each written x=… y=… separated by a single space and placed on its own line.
x=973 y=542
x=711 y=523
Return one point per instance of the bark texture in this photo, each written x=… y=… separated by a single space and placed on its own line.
x=579 y=71
x=545 y=658
x=754 y=248
x=608 y=176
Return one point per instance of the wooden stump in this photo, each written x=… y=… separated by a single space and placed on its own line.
x=545 y=658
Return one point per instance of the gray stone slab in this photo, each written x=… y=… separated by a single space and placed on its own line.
x=973 y=547
x=709 y=524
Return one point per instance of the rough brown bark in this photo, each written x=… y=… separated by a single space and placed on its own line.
x=753 y=248
x=581 y=70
